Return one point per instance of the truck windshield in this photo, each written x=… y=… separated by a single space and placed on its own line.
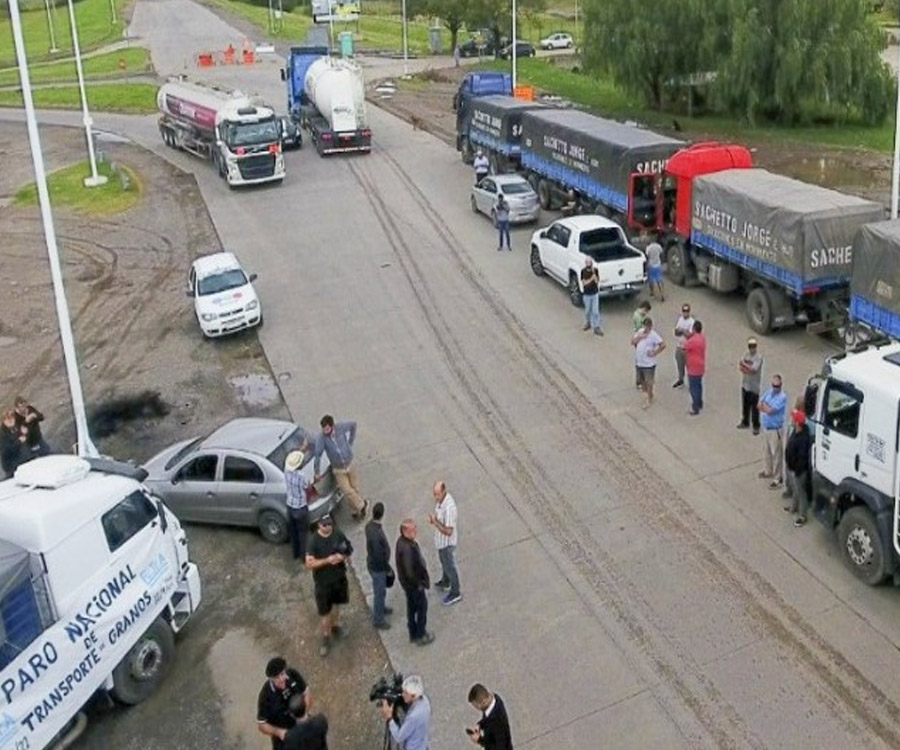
x=221 y=282
x=237 y=134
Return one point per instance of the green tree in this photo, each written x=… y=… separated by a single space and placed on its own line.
x=496 y=15
x=801 y=60
x=453 y=14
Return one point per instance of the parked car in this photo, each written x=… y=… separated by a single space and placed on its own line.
x=224 y=298
x=559 y=40
x=235 y=476
x=291 y=137
x=559 y=251
x=477 y=47
x=523 y=49
x=524 y=205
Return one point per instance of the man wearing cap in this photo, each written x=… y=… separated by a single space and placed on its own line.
x=327 y=558
x=750 y=366
x=796 y=458
x=273 y=716
x=297 y=485
x=336 y=441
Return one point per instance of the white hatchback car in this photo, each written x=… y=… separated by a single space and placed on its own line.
x=560 y=40
x=524 y=205
x=224 y=298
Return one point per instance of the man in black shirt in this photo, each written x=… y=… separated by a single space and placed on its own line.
x=309 y=732
x=492 y=730
x=378 y=561
x=590 y=296
x=326 y=557
x=273 y=716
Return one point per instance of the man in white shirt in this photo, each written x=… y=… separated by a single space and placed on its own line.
x=683 y=328
x=647 y=345
x=482 y=166
x=445 y=537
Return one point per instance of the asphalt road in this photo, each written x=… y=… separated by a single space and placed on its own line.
x=628 y=581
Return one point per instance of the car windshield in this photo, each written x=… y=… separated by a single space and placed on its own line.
x=236 y=134
x=221 y=282
x=189 y=448
x=293 y=442
x=517 y=188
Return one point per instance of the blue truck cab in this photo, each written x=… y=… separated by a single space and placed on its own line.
x=298 y=61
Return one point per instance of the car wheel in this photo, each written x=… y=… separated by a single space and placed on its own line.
x=273 y=527
x=568 y=45
x=676 y=262
x=473 y=203
x=759 y=310
x=575 y=291
x=861 y=546
x=536 y=265
x=145 y=665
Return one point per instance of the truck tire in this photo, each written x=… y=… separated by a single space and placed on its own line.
x=145 y=665
x=273 y=527
x=534 y=181
x=575 y=291
x=676 y=264
x=861 y=546
x=759 y=310
x=544 y=192
x=535 y=259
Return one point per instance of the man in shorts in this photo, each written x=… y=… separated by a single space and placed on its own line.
x=647 y=345
x=326 y=557
x=654 y=269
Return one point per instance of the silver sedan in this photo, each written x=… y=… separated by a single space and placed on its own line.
x=524 y=205
x=234 y=476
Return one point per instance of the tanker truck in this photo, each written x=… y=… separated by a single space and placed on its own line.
x=240 y=136
x=326 y=96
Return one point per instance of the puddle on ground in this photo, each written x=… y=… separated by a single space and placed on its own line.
x=238 y=663
x=831 y=172
x=255 y=389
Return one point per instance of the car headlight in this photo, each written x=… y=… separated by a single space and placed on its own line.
x=252 y=304
x=208 y=317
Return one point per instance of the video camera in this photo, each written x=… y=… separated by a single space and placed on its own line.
x=389 y=691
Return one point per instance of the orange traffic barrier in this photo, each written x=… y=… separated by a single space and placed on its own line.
x=205 y=60
x=249 y=57
x=229 y=56
x=524 y=92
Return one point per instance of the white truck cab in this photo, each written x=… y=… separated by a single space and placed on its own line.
x=856 y=474
x=95 y=581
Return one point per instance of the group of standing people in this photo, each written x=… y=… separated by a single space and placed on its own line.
x=21 y=438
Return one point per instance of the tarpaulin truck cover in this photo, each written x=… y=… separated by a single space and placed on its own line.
x=595 y=156
x=875 y=285
x=496 y=122
x=798 y=235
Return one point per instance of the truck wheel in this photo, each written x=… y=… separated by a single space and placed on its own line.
x=759 y=310
x=676 y=264
x=536 y=264
x=861 y=546
x=544 y=194
x=574 y=291
x=145 y=665
x=533 y=181
x=273 y=527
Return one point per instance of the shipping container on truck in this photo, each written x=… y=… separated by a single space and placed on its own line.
x=875 y=284
x=611 y=166
x=493 y=124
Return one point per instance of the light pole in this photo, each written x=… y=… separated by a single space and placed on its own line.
x=112 y=11
x=330 y=28
x=575 y=30
x=405 y=43
x=86 y=447
x=95 y=179
x=514 y=48
x=53 y=47
x=895 y=177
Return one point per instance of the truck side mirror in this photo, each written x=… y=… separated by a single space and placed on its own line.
x=283 y=74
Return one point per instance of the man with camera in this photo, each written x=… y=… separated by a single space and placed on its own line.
x=412 y=733
x=283 y=684
x=327 y=557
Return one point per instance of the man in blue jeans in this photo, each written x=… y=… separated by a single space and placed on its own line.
x=590 y=297
x=378 y=561
x=501 y=215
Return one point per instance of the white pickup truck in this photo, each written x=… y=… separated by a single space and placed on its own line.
x=559 y=251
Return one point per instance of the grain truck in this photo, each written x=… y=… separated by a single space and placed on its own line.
x=875 y=284
x=95 y=581
x=493 y=124
x=785 y=244
x=239 y=135
x=326 y=96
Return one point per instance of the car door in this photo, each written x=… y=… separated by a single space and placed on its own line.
x=554 y=248
x=193 y=492
x=240 y=491
x=839 y=457
x=487 y=195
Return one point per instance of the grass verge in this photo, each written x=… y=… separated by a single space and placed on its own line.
x=121 y=62
x=129 y=98
x=67 y=190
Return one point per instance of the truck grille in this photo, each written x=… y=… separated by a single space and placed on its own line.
x=257 y=167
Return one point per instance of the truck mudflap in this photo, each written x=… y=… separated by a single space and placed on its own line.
x=186 y=598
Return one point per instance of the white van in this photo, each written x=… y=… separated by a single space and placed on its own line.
x=95 y=581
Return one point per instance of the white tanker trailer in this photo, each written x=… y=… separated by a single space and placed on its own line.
x=241 y=137
x=326 y=95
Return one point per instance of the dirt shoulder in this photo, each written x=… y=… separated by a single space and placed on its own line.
x=135 y=333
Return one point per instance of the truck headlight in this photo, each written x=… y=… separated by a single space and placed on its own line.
x=252 y=304
x=208 y=317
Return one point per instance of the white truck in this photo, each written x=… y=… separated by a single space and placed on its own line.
x=95 y=581
x=559 y=251
x=239 y=135
x=856 y=457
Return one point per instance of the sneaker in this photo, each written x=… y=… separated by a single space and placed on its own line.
x=798 y=522
x=324 y=646
x=787 y=508
x=776 y=485
x=756 y=430
x=764 y=475
x=678 y=384
x=598 y=331
x=451 y=599
x=692 y=413
x=442 y=585
x=742 y=426
x=586 y=327
x=382 y=625
x=425 y=639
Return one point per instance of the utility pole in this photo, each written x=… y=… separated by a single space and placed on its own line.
x=53 y=47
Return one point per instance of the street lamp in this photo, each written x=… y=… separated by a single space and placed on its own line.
x=515 y=47
x=53 y=47
x=95 y=179
x=575 y=30
x=330 y=27
x=405 y=43
x=895 y=177
x=112 y=11
x=86 y=447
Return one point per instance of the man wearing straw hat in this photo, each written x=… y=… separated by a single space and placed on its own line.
x=297 y=486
